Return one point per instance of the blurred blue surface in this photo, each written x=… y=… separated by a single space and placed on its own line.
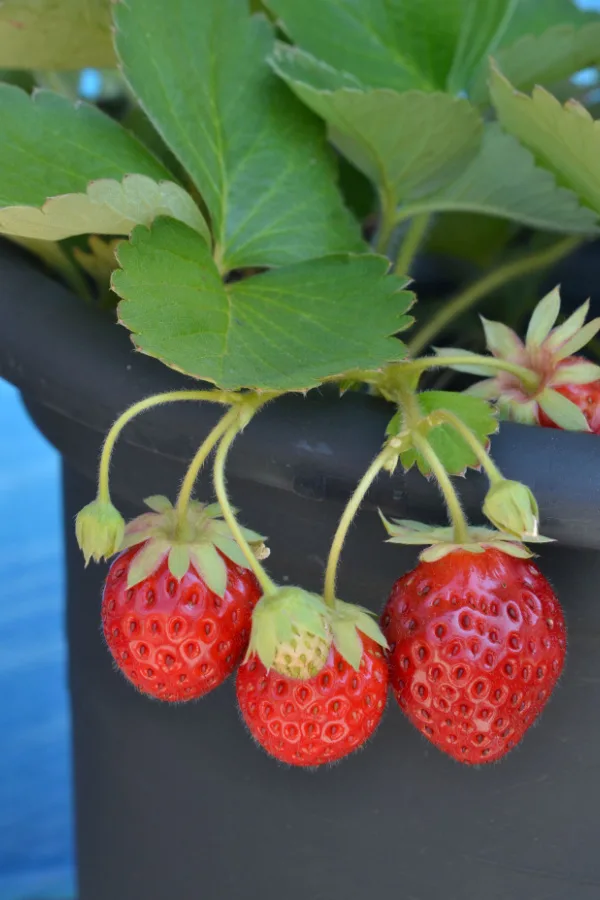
x=36 y=854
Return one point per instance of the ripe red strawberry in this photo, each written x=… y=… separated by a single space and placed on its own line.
x=176 y=639
x=584 y=396
x=320 y=720
x=477 y=644
x=176 y=612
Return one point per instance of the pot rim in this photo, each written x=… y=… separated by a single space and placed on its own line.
x=69 y=357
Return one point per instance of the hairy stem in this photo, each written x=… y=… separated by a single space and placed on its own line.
x=411 y=243
x=265 y=582
x=491 y=469
x=344 y=524
x=491 y=281
x=136 y=409
x=211 y=441
x=455 y=511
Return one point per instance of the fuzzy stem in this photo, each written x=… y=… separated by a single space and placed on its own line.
x=347 y=518
x=136 y=409
x=210 y=442
x=386 y=223
x=463 y=301
x=265 y=582
x=455 y=511
x=491 y=469
x=412 y=241
x=529 y=379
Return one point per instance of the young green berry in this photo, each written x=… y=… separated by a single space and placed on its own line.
x=99 y=528
x=512 y=508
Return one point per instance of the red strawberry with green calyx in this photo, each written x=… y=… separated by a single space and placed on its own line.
x=313 y=686
x=477 y=642
x=177 y=604
x=565 y=388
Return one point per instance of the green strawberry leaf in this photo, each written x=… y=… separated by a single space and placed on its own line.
x=286 y=329
x=409 y=144
x=259 y=159
x=503 y=180
x=55 y=34
x=399 y=44
x=107 y=207
x=50 y=146
x=454 y=452
x=546 y=41
x=564 y=139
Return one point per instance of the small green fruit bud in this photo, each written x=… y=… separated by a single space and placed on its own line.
x=99 y=528
x=512 y=508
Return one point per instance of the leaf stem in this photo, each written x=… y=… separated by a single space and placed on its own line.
x=529 y=379
x=346 y=520
x=491 y=469
x=265 y=582
x=210 y=442
x=455 y=511
x=140 y=407
x=411 y=243
x=504 y=274
x=386 y=224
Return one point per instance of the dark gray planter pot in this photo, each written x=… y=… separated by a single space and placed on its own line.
x=178 y=802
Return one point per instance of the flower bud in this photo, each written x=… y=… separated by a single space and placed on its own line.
x=512 y=508
x=99 y=528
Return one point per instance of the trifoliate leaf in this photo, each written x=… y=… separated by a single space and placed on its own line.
x=453 y=451
x=210 y=566
x=410 y=144
x=107 y=207
x=286 y=329
x=55 y=34
x=179 y=560
x=51 y=146
x=146 y=561
x=564 y=139
x=543 y=52
x=504 y=181
x=399 y=44
x=562 y=411
x=258 y=158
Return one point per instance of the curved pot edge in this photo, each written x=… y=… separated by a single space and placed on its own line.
x=51 y=340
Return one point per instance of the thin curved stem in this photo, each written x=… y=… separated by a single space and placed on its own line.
x=491 y=469
x=208 y=445
x=135 y=410
x=488 y=283
x=386 y=224
x=265 y=582
x=455 y=511
x=411 y=243
x=526 y=376
x=347 y=518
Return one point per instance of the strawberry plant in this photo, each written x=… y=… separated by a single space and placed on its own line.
x=260 y=209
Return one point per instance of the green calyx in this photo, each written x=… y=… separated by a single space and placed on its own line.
x=440 y=541
x=535 y=367
x=99 y=528
x=512 y=508
x=194 y=541
x=293 y=631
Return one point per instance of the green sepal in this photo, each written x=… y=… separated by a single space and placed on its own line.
x=279 y=618
x=347 y=622
x=146 y=561
x=440 y=540
x=158 y=503
x=179 y=560
x=562 y=411
x=543 y=318
x=210 y=566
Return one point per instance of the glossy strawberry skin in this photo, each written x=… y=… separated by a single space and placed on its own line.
x=318 y=721
x=477 y=644
x=585 y=396
x=177 y=640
